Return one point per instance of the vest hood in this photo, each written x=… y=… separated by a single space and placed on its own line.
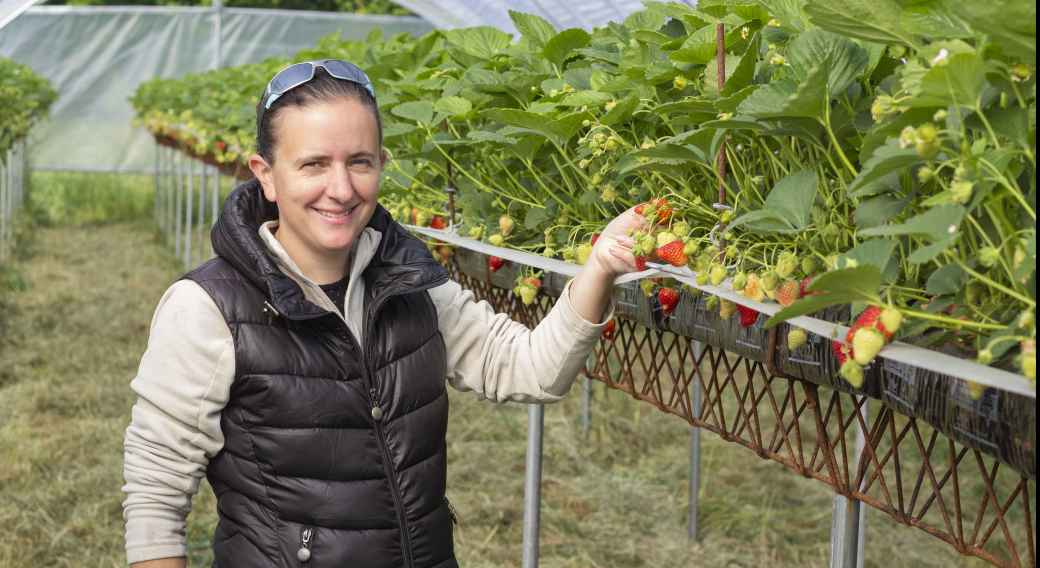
x=401 y=264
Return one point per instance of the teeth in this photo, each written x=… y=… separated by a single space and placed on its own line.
x=331 y=214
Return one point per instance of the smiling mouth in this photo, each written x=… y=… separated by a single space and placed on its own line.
x=333 y=215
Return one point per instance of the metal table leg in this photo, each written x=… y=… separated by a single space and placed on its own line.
x=533 y=485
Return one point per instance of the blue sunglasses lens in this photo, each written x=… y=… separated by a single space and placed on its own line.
x=290 y=77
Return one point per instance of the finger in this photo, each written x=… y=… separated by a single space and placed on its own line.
x=625 y=256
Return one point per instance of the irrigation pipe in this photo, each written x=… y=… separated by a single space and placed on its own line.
x=895 y=351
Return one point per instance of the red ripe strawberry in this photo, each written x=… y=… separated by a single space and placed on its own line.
x=445 y=252
x=805 y=284
x=673 y=254
x=639 y=209
x=747 y=315
x=663 y=209
x=532 y=281
x=642 y=260
x=787 y=292
x=438 y=223
x=669 y=299
x=595 y=238
x=221 y=145
x=415 y=215
x=842 y=352
x=608 y=332
x=868 y=317
x=848 y=336
x=496 y=263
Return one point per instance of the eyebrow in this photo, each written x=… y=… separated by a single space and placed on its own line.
x=325 y=158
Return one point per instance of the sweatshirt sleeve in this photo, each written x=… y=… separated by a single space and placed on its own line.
x=501 y=359
x=182 y=384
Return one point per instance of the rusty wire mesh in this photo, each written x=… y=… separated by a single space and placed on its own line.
x=906 y=469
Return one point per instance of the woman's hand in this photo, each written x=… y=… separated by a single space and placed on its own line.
x=611 y=256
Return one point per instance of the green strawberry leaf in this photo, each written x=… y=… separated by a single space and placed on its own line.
x=886 y=159
x=843 y=286
x=535 y=29
x=453 y=106
x=562 y=45
x=936 y=225
x=876 y=252
x=419 y=111
x=847 y=59
x=872 y=20
x=935 y=19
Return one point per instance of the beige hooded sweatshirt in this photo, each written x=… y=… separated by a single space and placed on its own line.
x=186 y=372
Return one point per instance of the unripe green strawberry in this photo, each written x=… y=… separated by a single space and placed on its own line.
x=739 y=281
x=584 y=252
x=832 y=261
x=702 y=277
x=866 y=343
x=648 y=243
x=422 y=219
x=786 y=267
x=787 y=292
x=771 y=294
x=711 y=303
x=810 y=266
x=988 y=256
x=976 y=390
x=691 y=248
x=1028 y=365
x=770 y=280
x=495 y=240
x=852 y=372
x=528 y=294
x=718 y=274
x=505 y=224
x=891 y=319
x=726 y=308
x=796 y=338
x=648 y=287
x=476 y=232
x=753 y=289
x=974 y=292
x=961 y=191
x=681 y=229
x=665 y=237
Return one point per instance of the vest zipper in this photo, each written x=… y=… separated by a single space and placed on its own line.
x=451 y=510
x=304 y=553
x=384 y=451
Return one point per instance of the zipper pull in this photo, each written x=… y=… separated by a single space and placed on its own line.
x=451 y=510
x=377 y=413
x=304 y=553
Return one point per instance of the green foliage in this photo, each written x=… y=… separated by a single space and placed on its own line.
x=897 y=139
x=25 y=98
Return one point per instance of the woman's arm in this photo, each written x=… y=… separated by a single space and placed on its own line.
x=503 y=360
x=611 y=256
x=160 y=563
x=183 y=383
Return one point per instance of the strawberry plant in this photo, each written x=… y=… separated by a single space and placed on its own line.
x=876 y=154
x=25 y=98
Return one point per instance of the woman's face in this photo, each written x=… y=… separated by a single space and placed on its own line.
x=325 y=176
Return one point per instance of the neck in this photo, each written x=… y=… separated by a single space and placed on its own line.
x=316 y=267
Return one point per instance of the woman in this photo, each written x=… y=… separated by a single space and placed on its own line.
x=303 y=370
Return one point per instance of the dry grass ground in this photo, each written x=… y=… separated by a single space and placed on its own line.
x=617 y=498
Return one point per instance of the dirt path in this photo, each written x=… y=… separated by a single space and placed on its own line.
x=617 y=498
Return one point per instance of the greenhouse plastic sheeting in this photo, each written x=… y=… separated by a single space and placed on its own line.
x=97 y=56
x=562 y=14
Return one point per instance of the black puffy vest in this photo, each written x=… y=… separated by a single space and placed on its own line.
x=308 y=462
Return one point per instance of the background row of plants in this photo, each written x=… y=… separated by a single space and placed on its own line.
x=885 y=149
x=25 y=98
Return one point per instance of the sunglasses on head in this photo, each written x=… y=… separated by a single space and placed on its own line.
x=299 y=73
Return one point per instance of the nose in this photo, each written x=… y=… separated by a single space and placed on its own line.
x=340 y=186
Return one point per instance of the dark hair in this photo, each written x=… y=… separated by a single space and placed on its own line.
x=323 y=88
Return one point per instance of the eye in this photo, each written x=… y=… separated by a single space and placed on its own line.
x=312 y=165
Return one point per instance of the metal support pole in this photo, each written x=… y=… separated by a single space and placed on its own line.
x=176 y=235
x=215 y=207
x=847 y=516
x=217 y=8
x=695 y=444
x=155 y=179
x=586 y=398
x=861 y=444
x=187 y=215
x=202 y=213
x=168 y=214
x=533 y=485
x=3 y=211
